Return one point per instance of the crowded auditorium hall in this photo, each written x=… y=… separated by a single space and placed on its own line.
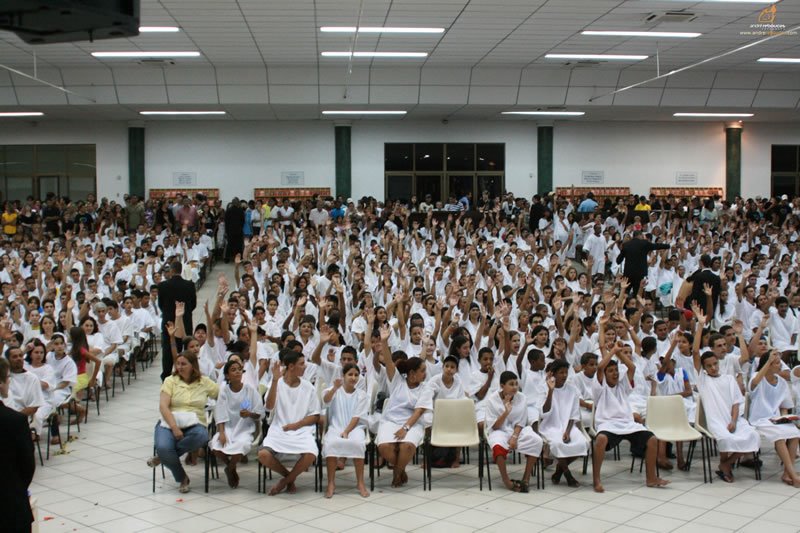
x=393 y=265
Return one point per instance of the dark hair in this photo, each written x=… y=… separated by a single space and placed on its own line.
x=409 y=365
x=291 y=358
x=507 y=376
x=5 y=370
x=33 y=344
x=456 y=344
x=348 y=367
x=586 y=357
x=557 y=365
x=450 y=359
x=649 y=344
x=77 y=338
x=535 y=355
x=228 y=366
x=708 y=355
x=191 y=358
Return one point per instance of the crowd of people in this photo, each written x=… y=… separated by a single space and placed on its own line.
x=346 y=320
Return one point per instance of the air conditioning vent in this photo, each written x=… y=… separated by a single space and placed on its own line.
x=156 y=62
x=583 y=63
x=670 y=17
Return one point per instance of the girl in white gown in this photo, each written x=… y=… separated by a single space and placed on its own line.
x=769 y=398
x=509 y=429
x=346 y=437
x=36 y=365
x=238 y=409
x=560 y=418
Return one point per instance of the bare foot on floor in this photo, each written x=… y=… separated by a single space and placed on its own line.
x=291 y=488
x=658 y=483
x=330 y=491
x=363 y=491
x=278 y=487
x=598 y=487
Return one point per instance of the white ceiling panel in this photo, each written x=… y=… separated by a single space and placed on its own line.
x=101 y=94
x=777 y=98
x=581 y=95
x=40 y=95
x=139 y=75
x=684 y=97
x=8 y=96
x=243 y=94
x=142 y=94
x=338 y=94
x=731 y=97
x=542 y=96
x=190 y=76
x=294 y=94
x=192 y=94
x=441 y=94
x=398 y=94
x=241 y=76
x=639 y=97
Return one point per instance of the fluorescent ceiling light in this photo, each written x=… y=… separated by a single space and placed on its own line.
x=181 y=112
x=143 y=54
x=159 y=29
x=375 y=54
x=357 y=112
x=717 y=115
x=599 y=57
x=779 y=60
x=668 y=34
x=546 y=113
x=377 y=29
x=21 y=114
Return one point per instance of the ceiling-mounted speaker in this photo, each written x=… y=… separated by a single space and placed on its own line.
x=62 y=21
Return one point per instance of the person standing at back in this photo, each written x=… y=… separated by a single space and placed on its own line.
x=175 y=289
x=18 y=465
x=234 y=230
x=634 y=253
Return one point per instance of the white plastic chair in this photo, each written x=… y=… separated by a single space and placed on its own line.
x=666 y=419
x=454 y=426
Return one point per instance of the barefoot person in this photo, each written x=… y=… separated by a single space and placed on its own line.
x=509 y=429
x=346 y=438
x=613 y=414
x=296 y=407
x=560 y=418
x=238 y=409
x=770 y=399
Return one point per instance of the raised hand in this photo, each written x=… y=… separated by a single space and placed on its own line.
x=180 y=308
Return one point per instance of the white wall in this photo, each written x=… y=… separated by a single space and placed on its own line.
x=111 y=139
x=368 y=138
x=757 y=141
x=639 y=155
x=237 y=157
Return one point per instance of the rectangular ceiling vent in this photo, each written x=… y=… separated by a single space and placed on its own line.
x=670 y=16
x=583 y=63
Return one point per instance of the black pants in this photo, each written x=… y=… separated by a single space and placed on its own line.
x=235 y=245
x=166 y=354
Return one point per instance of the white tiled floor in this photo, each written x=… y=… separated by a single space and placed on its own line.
x=103 y=484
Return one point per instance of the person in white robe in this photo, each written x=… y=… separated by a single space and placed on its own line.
x=36 y=365
x=295 y=407
x=769 y=400
x=723 y=405
x=583 y=381
x=560 y=418
x=346 y=437
x=509 y=429
x=238 y=409
x=25 y=392
x=613 y=414
x=401 y=428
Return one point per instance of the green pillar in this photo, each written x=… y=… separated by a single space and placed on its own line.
x=733 y=160
x=544 y=156
x=136 y=161
x=344 y=181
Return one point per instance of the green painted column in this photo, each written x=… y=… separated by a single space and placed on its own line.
x=344 y=178
x=136 y=161
x=544 y=156
x=733 y=160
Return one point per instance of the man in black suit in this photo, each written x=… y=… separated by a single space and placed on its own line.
x=18 y=464
x=692 y=291
x=234 y=229
x=634 y=253
x=175 y=289
x=537 y=212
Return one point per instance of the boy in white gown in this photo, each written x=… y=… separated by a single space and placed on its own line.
x=723 y=405
x=560 y=418
x=508 y=429
x=296 y=406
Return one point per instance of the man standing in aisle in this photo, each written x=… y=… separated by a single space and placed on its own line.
x=175 y=289
x=234 y=230
x=634 y=253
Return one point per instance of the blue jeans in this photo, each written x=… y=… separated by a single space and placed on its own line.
x=169 y=450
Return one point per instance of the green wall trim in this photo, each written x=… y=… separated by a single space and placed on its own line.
x=136 y=161
x=344 y=178
x=544 y=157
x=733 y=163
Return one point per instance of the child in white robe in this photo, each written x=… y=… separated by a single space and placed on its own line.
x=444 y=386
x=560 y=418
x=532 y=383
x=236 y=413
x=296 y=407
x=347 y=410
x=508 y=429
x=582 y=381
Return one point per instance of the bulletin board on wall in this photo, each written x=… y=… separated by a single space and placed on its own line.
x=599 y=192
x=171 y=194
x=292 y=193
x=679 y=192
